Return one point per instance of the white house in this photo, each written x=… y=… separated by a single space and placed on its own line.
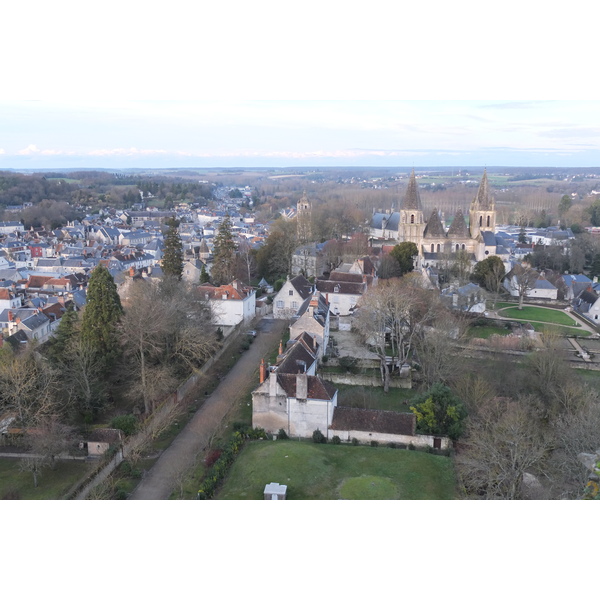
x=290 y=297
x=230 y=304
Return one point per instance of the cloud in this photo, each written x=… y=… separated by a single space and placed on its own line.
x=124 y=152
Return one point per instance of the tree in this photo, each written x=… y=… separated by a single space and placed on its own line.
x=204 y=278
x=172 y=261
x=502 y=443
x=28 y=386
x=564 y=205
x=440 y=412
x=223 y=268
x=101 y=317
x=274 y=258
x=489 y=273
x=404 y=253
x=523 y=280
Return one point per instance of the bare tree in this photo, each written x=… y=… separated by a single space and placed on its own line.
x=502 y=443
x=522 y=280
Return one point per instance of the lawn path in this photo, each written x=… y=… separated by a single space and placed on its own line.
x=181 y=455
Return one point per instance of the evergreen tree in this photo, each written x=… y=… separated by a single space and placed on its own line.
x=204 y=278
x=64 y=336
x=172 y=261
x=101 y=316
x=404 y=253
x=223 y=269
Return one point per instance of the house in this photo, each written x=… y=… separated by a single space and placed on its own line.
x=313 y=319
x=308 y=260
x=301 y=352
x=588 y=304
x=230 y=304
x=468 y=298
x=342 y=291
x=291 y=296
x=297 y=402
x=529 y=282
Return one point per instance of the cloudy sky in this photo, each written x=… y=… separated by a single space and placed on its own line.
x=324 y=84
x=43 y=134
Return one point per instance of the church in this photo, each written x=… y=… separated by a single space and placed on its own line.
x=430 y=236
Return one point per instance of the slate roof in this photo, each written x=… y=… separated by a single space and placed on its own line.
x=434 y=227
x=458 y=228
x=329 y=287
x=317 y=389
x=302 y=286
x=380 y=421
x=298 y=353
x=412 y=200
x=544 y=284
x=483 y=200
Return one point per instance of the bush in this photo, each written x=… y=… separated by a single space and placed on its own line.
x=126 y=423
x=354 y=442
x=374 y=443
x=282 y=435
x=318 y=437
x=325 y=359
x=212 y=457
x=336 y=440
x=258 y=433
x=411 y=446
x=392 y=445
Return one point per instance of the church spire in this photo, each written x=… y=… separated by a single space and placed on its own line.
x=483 y=200
x=412 y=200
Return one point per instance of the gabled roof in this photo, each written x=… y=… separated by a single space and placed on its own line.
x=317 y=389
x=302 y=286
x=434 y=227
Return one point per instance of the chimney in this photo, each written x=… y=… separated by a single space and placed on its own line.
x=302 y=386
x=10 y=315
x=262 y=371
x=280 y=347
x=131 y=271
x=273 y=384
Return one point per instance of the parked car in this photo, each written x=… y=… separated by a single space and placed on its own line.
x=252 y=332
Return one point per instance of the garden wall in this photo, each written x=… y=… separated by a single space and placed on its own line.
x=366 y=437
x=367 y=380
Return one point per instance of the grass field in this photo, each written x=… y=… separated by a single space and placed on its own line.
x=330 y=472
x=536 y=313
x=374 y=398
x=52 y=485
x=486 y=331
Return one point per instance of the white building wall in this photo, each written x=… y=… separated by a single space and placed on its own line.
x=365 y=437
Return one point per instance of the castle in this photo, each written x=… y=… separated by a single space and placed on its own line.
x=477 y=238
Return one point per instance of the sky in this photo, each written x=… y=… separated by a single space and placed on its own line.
x=281 y=133
x=319 y=84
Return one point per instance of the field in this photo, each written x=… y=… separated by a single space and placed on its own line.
x=329 y=472
x=52 y=485
x=536 y=313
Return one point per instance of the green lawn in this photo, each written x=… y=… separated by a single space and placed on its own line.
x=374 y=398
x=52 y=485
x=486 y=331
x=330 y=472
x=536 y=313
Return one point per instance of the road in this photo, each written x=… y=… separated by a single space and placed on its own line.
x=181 y=455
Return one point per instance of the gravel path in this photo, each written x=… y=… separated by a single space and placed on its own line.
x=180 y=456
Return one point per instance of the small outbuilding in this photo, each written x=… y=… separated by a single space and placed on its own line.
x=275 y=491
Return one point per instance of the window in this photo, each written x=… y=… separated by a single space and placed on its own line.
x=279 y=303
x=291 y=292
x=294 y=304
x=438 y=248
x=412 y=218
x=432 y=246
x=480 y=221
x=457 y=247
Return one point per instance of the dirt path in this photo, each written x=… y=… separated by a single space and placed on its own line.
x=182 y=453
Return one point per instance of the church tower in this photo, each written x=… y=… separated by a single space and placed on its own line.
x=303 y=220
x=412 y=224
x=482 y=214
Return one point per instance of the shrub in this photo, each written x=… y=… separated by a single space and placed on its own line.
x=318 y=437
x=411 y=446
x=374 y=443
x=212 y=457
x=336 y=440
x=282 y=435
x=258 y=433
x=325 y=359
x=126 y=423
x=392 y=445
x=354 y=442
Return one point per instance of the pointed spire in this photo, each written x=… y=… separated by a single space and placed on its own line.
x=459 y=226
x=412 y=200
x=483 y=200
x=434 y=226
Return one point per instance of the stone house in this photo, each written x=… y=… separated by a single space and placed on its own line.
x=230 y=304
x=313 y=319
x=290 y=297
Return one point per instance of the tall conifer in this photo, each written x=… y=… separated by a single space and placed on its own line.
x=172 y=261
x=101 y=316
x=223 y=269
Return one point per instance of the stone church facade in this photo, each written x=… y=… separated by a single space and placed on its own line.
x=477 y=238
